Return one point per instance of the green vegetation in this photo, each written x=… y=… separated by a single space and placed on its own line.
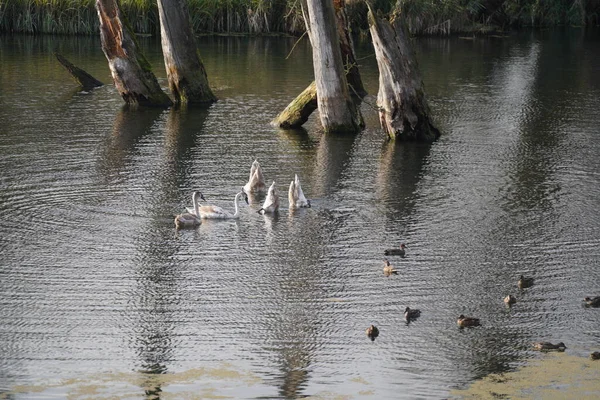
x=284 y=16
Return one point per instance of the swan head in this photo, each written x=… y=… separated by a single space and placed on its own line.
x=198 y=193
x=245 y=196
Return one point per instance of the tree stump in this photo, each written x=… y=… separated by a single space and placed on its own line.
x=186 y=74
x=403 y=109
x=85 y=80
x=130 y=70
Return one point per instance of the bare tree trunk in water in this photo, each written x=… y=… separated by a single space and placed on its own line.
x=347 y=48
x=186 y=74
x=130 y=70
x=403 y=109
x=298 y=111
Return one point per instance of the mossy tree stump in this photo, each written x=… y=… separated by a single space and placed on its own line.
x=185 y=72
x=403 y=109
x=130 y=70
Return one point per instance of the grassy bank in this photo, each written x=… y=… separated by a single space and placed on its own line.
x=284 y=16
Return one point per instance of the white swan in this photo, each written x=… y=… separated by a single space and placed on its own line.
x=296 y=195
x=271 y=203
x=215 y=212
x=256 y=182
x=189 y=219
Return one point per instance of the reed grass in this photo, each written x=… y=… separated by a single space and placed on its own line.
x=437 y=17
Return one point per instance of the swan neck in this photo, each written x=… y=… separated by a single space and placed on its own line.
x=196 y=206
x=235 y=202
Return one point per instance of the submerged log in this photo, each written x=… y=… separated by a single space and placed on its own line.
x=130 y=70
x=403 y=109
x=186 y=74
x=298 y=111
x=85 y=80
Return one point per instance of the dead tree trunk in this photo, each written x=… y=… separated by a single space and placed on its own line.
x=403 y=109
x=130 y=70
x=347 y=47
x=186 y=74
x=298 y=111
x=85 y=80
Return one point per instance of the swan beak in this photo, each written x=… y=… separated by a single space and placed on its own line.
x=246 y=198
x=308 y=202
x=202 y=197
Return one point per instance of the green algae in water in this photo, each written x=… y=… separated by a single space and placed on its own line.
x=555 y=376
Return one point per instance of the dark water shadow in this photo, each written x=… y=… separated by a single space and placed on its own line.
x=333 y=155
x=129 y=127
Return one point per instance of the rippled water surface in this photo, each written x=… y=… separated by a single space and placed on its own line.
x=100 y=297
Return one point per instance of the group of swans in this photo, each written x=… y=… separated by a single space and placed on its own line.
x=256 y=185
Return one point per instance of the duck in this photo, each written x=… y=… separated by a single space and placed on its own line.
x=271 y=204
x=510 y=300
x=256 y=182
x=410 y=315
x=592 y=301
x=547 y=346
x=396 y=252
x=467 y=321
x=372 y=332
x=388 y=269
x=216 y=212
x=595 y=355
x=524 y=282
x=188 y=219
x=296 y=195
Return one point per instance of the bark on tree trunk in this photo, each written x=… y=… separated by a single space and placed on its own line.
x=84 y=79
x=337 y=111
x=347 y=48
x=298 y=111
x=186 y=74
x=130 y=70
x=403 y=109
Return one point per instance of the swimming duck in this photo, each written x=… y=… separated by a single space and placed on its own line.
x=271 y=203
x=547 y=346
x=296 y=195
x=372 y=332
x=510 y=300
x=524 y=282
x=388 y=269
x=595 y=355
x=467 y=321
x=396 y=252
x=410 y=315
x=592 y=301
x=256 y=182
x=188 y=219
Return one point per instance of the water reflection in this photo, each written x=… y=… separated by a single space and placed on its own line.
x=332 y=161
x=129 y=127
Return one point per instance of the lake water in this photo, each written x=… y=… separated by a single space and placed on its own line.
x=100 y=296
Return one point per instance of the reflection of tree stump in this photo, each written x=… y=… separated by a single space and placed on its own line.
x=403 y=109
x=85 y=80
x=185 y=71
x=130 y=70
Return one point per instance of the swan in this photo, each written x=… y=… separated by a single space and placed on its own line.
x=256 y=182
x=296 y=195
x=189 y=219
x=524 y=282
x=510 y=300
x=271 y=203
x=216 y=212
x=388 y=269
